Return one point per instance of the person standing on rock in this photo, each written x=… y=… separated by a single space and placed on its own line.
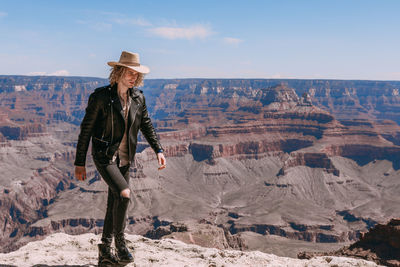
x=113 y=118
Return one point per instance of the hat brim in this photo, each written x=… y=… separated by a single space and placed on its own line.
x=142 y=68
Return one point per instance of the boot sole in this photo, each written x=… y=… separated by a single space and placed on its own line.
x=123 y=263
x=107 y=263
x=120 y=264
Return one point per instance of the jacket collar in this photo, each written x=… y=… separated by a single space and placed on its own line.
x=133 y=93
x=114 y=98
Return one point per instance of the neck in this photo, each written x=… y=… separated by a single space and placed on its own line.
x=122 y=90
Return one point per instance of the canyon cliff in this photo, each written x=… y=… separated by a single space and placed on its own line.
x=315 y=162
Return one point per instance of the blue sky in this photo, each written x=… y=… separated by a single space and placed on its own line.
x=337 y=39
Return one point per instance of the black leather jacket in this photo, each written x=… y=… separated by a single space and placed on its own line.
x=104 y=122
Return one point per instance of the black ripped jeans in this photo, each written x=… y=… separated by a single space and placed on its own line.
x=117 y=179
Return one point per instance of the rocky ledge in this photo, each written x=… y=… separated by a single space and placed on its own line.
x=81 y=250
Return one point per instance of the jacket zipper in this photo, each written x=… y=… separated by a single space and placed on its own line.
x=112 y=125
x=132 y=122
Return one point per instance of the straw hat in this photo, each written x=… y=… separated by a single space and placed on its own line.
x=130 y=60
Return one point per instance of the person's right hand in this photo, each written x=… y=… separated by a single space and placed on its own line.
x=80 y=173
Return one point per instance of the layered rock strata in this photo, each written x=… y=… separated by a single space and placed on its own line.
x=380 y=244
x=244 y=155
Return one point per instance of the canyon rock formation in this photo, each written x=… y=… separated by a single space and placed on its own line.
x=380 y=244
x=250 y=162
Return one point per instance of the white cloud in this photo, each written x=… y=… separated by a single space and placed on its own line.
x=231 y=40
x=104 y=21
x=98 y=26
x=59 y=73
x=36 y=73
x=279 y=76
x=161 y=51
x=189 y=33
x=3 y=14
x=389 y=76
x=56 y=73
x=120 y=18
x=137 y=21
x=101 y=26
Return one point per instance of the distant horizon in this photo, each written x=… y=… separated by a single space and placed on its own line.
x=207 y=78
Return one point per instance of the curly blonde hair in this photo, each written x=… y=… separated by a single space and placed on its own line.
x=117 y=71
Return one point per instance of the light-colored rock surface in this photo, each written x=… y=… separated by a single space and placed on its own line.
x=81 y=250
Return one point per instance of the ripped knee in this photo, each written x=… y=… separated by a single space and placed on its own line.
x=126 y=193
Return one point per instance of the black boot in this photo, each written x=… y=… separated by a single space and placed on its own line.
x=106 y=257
x=124 y=256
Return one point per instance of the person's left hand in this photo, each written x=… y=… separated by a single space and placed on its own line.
x=161 y=161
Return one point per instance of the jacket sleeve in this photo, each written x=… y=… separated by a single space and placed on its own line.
x=146 y=127
x=87 y=125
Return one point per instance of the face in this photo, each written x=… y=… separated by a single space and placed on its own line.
x=128 y=78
